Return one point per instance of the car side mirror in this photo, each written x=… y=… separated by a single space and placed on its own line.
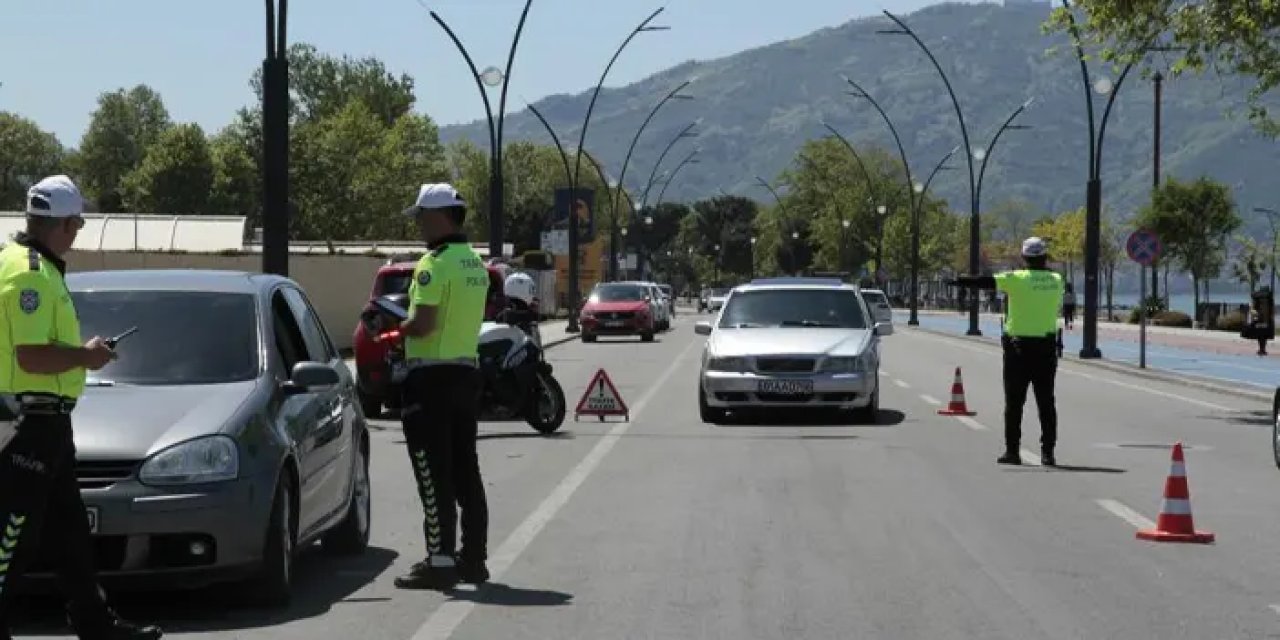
x=702 y=328
x=883 y=329
x=307 y=376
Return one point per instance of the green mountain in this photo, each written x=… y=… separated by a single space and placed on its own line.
x=758 y=106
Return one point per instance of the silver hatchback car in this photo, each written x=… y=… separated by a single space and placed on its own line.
x=225 y=438
x=791 y=343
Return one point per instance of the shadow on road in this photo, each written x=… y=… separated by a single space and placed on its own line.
x=509 y=596
x=521 y=435
x=1248 y=418
x=1066 y=467
x=792 y=418
x=319 y=582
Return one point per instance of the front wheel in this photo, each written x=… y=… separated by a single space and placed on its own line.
x=352 y=536
x=273 y=586
x=1275 y=428
x=547 y=409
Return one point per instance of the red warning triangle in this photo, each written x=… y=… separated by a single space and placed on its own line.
x=601 y=398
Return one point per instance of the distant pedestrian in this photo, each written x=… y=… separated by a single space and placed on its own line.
x=1260 y=324
x=1030 y=345
x=1069 y=307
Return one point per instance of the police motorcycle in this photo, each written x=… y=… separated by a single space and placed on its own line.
x=516 y=380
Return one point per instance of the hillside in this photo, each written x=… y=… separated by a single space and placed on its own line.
x=759 y=105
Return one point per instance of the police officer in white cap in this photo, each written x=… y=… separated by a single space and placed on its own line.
x=1030 y=345
x=42 y=375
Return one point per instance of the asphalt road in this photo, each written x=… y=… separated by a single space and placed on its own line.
x=668 y=528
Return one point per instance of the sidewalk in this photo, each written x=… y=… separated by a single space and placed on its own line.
x=1222 y=356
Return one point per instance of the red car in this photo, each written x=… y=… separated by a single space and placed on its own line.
x=374 y=386
x=617 y=309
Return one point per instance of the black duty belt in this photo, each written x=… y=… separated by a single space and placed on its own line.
x=1046 y=337
x=45 y=404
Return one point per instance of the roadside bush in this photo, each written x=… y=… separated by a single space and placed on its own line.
x=1233 y=322
x=1171 y=319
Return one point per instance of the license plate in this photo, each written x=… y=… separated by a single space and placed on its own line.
x=92 y=513
x=615 y=323
x=787 y=387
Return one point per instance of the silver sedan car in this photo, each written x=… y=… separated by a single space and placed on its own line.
x=791 y=343
x=225 y=437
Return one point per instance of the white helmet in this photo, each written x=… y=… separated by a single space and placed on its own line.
x=519 y=286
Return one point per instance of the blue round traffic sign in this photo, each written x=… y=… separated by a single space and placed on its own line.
x=1143 y=247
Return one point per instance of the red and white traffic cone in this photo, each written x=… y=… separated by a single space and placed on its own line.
x=957 y=407
x=1175 y=523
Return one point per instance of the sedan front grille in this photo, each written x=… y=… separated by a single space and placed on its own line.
x=616 y=315
x=100 y=474
x=785 y=365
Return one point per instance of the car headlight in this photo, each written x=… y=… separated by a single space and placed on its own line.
x=854 y=364
x=208 y=459
x=738 y=365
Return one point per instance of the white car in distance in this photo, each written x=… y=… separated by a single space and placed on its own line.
x=791 y=343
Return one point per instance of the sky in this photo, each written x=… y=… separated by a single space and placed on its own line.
x=60 y=55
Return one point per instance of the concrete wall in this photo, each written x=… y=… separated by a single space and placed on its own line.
x=338 y=285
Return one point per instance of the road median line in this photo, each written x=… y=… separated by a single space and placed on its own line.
x=1124 y=512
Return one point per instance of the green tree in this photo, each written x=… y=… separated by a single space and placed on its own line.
x=1193 y=220
x=237 y=183
x=1229 y=35
x=27 y=154
x=1065 y=234
x=175 y=176
x=121 y=130
x=1251 y=261
x=727 y=222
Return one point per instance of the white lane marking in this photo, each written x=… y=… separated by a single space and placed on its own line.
x=971 y=423
x=1122 y=511
x=902 y=384
x=446 y=619
x=1029 y=457
x=1072 y=371
x=930 y=399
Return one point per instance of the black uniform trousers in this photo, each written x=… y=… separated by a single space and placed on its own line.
x=41 y=507
x=1034 y=362
x=439 y=417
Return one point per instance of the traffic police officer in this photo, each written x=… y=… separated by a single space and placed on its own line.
x=42 y=374
x=1030 y=345
x=441 y=392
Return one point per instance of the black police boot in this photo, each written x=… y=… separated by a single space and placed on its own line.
x=1046 y=457
x=112 y=627
x=439 y=573
x=471 y=568
x=1011 y=456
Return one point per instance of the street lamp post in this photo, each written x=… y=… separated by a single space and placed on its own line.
x=674 y=95
x=844 y=240
x=975 y=239
x=753 y=257
x=871 y=190
x=1093 y=188
x=577 y=167
x=686 y=132
x=689 y=159
x=275 y=142
x=492 y=77
x=917 y=211
x=983 y=155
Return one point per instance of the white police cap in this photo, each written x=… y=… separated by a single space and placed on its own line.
x=55 y=197
x=1034 y=247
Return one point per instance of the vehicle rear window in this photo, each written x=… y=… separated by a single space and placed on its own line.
x=618 y=293
x=876 y=298
x=815 y=308
x=396 y=283
x=183 y=337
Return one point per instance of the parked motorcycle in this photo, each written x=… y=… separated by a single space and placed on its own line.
x=516 y=379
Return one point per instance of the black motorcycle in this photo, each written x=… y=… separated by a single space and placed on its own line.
x=516 y=379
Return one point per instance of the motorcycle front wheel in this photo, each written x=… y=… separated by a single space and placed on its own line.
x=546 y=410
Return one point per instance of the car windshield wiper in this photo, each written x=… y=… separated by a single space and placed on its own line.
x=809 y=323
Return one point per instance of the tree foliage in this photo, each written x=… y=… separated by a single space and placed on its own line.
x=175 y=176
x=123 y=127
x=1194 y=220
x=1227 y=35
x=27 y=154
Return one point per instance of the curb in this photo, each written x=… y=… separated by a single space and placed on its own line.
x=1185 y=380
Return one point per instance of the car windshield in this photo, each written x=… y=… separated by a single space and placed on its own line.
x=396 y=283
x=183 y=337
x=836 y=308
x=618 y=293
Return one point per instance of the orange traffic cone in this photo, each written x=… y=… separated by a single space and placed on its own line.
x=957 y=407
x=1174 y=523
